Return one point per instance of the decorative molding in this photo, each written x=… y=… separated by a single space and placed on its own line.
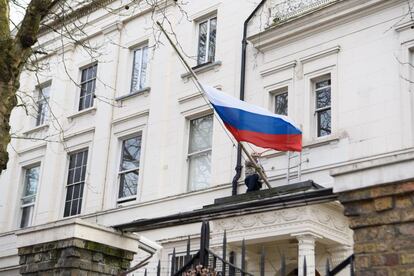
x=204 y=68
x=40 y=128
x=386 y=160
x=206 y=13
x=321 y=54
x=143 y=113
x=304 y=219
x=79 y=133
x=143 y=92
x=31 y=149
x=279 y=68
x=114 y=26
x=404 y=26
x=90 y=110
x=198 y=111
x=190 y=97
x=316 y=21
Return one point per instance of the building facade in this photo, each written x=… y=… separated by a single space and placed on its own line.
x=116 y=132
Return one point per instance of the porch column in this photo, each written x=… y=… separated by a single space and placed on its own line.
x=306 y=249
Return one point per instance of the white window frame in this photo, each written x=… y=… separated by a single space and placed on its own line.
x=81 y=149
x=43 y=101
x=81 y=69
x=197 y=153
x=30 y=204
x=316 y=110
x=206 y=57
x=141 y=48
x=274 y=94
x=123 y=200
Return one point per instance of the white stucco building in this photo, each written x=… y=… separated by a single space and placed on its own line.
x=119 y=132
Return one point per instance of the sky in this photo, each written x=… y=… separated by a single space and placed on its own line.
x=17 y=13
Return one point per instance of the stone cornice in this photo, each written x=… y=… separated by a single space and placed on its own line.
x=316 y=21
x=232 y=210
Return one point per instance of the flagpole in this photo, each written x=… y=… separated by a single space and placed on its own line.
x=190 y=70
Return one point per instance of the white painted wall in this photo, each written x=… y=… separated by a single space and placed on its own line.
x=371 y=105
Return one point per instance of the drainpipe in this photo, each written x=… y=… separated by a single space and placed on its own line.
x=242 y=86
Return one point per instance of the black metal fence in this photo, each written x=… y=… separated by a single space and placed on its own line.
x=224 y=264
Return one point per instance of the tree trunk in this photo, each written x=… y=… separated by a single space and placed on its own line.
x=7 y=103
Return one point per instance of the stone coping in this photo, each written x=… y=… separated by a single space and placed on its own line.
x=77 y=228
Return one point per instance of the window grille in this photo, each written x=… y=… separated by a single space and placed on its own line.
x=323 y=106
x=88 y=85
x=75 y=183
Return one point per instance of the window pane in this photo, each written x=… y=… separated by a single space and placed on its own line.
x=76 y=174
x=128 y=185
x=26 y=216
x=201 y=134
x=212 y=39
x=136 y=70
x=43 y=105
x=28 y=200
x=144 y=67
x=131 y=151
x=200 y=171
x=324 y=122
x=88 y=85
x=202 y=42
x=281 y=104
x=323 y=83
x=69 y=193
x=323 y=97
x=31 y=181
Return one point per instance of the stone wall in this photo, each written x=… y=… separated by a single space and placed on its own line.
x=73 y=256
x=382 y=218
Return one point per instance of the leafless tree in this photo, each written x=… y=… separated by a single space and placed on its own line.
x=21 y=50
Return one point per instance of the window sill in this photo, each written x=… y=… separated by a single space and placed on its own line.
x=202 y=68
x=36 y=129
x=90 y=110
x=126 y=201
x=321 y=141
x=144 y=91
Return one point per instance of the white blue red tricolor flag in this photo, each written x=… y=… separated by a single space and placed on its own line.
x=253 y=124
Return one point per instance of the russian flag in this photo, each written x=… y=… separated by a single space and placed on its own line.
x=253 y=124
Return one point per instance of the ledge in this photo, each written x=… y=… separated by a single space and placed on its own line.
x=144 y=91
x=203 y=68
x=317 y=20
x=36 y=129
x=317 y=142
x=91 y=110
x=272 y=70
x=383 y=169
x=300 y=198
x=77 y=228
x=321 y=54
